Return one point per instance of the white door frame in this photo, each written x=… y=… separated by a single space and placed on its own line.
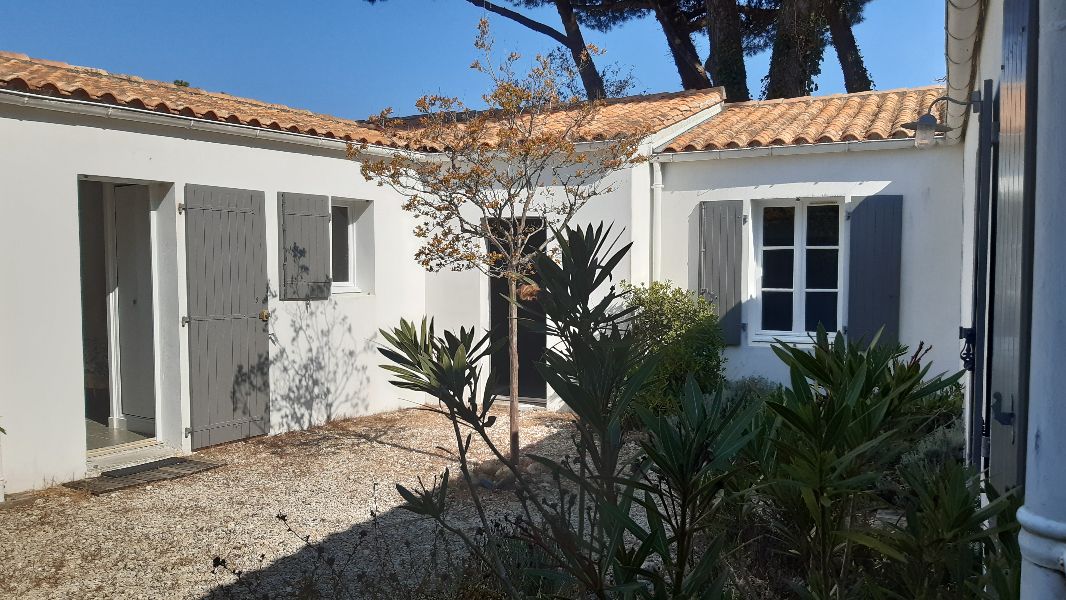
x=116 y=420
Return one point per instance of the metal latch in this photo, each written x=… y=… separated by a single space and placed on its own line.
x=185 y=321
x=969 y=337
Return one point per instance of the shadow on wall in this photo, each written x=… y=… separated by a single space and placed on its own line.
x=317 y=369
x=390 y=554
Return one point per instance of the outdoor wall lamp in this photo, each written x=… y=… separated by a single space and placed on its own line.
x=927 y=126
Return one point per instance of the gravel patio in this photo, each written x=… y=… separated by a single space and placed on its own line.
x=158 y=541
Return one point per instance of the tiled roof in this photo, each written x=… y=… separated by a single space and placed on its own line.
x=616 y=117
x=48 y=78
x=861 y=116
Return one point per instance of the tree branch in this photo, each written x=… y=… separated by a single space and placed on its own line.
x=521 y=19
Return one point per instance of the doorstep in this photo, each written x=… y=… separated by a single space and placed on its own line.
x=151 y=472
x=126 y=455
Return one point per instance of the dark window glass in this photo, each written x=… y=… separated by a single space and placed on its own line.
x=777 y=268
x=777 y=311
x=778 y=225
x=823 y=225
x=822 y=269
x=821 y=307
x=339 y=247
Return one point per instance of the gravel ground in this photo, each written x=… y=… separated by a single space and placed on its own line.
x=158 y=541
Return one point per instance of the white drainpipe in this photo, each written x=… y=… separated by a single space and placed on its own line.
x=656 y=217
x=1043 y=518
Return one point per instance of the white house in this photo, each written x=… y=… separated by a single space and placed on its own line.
x=188 y=268
x=1005 y=81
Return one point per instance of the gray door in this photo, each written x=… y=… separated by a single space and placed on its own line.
x=225 y=242
x=133 y=254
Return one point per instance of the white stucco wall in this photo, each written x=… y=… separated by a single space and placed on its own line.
x=932 y=231
x=42 y=404
x=43 y=153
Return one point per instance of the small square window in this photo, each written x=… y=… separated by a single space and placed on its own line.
x=341 y=245
x=351 y=245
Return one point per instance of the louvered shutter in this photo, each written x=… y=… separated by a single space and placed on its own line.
x=874 y=268
x=721 y=255
x=304 y=246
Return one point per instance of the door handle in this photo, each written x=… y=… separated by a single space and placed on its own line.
x=264 y=315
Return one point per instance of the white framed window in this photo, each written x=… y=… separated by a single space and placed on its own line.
x=799 y=268
x=348 y=227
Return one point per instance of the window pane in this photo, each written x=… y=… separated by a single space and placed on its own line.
x=778 y=225
x=777 y=311
x=822 y=269
x=339 y=248
x=777 y=268
x=823 y=225
x=821 y=308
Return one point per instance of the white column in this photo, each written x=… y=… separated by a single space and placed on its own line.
x=1043 y=518
x=656 y=219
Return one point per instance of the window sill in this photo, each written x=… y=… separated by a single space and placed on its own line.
x=347 y=290
x=795 y=338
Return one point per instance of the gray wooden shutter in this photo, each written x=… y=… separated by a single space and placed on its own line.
x=1012 y=264
x=721 y=255
x=874 y=268
x=304 y=246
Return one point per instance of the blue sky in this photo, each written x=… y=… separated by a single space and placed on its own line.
x=352 y=59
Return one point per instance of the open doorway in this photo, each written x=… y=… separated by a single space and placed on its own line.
x=117 y=313
x=532 y=340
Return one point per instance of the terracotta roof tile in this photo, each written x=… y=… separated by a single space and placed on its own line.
x=864 y=116
x=48 y=78
x=616 y=117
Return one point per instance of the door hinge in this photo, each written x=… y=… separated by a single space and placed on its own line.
x=189 y=430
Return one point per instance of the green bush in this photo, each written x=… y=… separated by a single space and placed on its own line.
x=679 y=327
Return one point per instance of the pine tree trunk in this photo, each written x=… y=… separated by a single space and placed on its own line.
x=512 y=347
x=797 y=50
x=586 y=67
x=678 y=38
x=856 y=77
x=725 y=62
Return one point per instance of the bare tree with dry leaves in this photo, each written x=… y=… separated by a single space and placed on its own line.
x=483 y=184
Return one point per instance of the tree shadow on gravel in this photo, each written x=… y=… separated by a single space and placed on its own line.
x=393 y=554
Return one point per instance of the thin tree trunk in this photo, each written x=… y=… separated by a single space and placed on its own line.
x=586 y=67
x=678 y=38
x=797 y=51
x=512 y=347
x=572 y=39
x=856 y=77
x=725 y=62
